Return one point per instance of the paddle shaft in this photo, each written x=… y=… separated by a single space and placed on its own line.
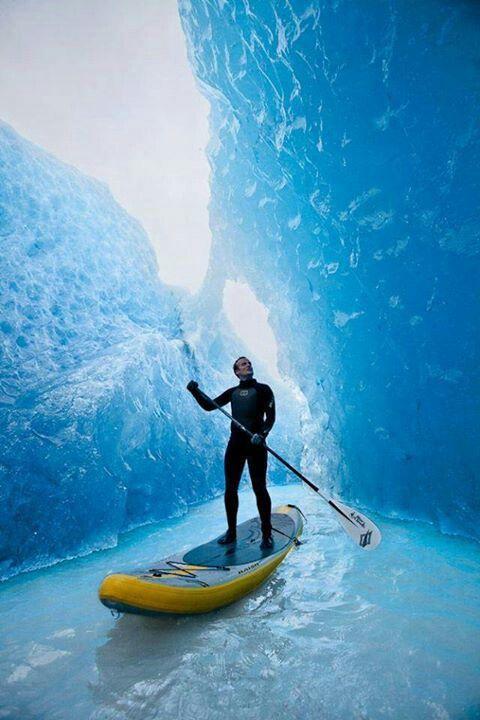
x=358 y=526
x=279 y=457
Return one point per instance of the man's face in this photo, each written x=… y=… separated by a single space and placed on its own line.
x=244 y=368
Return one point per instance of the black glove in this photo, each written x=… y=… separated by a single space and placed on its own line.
x=257 y=439
x=192 y=386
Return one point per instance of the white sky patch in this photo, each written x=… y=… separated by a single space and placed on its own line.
x=106 y=87
x=249 y=318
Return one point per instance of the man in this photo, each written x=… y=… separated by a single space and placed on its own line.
x=253 y=405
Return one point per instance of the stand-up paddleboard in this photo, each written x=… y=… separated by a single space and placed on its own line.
x=206 y=577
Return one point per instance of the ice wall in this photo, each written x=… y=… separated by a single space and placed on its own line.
x=97 y=431
x=344 y=193
x=345 y=155
x=93 y=368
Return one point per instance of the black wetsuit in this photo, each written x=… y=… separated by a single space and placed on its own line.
x=253 y=405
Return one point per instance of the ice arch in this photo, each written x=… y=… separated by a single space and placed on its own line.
x=249 y=319
x=345 y=160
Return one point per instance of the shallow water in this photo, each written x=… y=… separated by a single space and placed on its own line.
x=336 y=632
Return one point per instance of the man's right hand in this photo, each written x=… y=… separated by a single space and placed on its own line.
x=192 y=385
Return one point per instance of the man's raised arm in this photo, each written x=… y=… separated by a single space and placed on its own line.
x=205 y=401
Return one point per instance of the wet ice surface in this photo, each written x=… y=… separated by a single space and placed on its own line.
x=335 y=633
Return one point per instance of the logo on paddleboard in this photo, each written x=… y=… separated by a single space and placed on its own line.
x=365 y=538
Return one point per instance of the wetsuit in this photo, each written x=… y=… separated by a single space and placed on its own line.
x=253 y=405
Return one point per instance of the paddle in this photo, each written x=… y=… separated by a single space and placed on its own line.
x=360 y=528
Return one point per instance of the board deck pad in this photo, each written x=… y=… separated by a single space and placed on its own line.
x=247 y=548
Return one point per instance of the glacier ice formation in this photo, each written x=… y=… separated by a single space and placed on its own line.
x=345 y=153
x=98 y=433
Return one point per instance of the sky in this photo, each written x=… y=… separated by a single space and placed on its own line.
x=105 y=85
x=249 y=317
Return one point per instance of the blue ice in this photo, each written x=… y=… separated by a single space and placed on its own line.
x=345 y=156
x=98 y=433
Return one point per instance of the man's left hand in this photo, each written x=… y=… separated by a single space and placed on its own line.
x=258 y=439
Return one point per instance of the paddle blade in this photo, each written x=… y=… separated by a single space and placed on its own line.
x=363 y=531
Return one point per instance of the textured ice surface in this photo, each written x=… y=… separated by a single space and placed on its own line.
x=345 y=155
x=345 y=161
x=88 y=332
x=335 y=633
x=97 y=431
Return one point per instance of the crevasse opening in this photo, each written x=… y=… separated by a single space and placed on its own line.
x=249 y=319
